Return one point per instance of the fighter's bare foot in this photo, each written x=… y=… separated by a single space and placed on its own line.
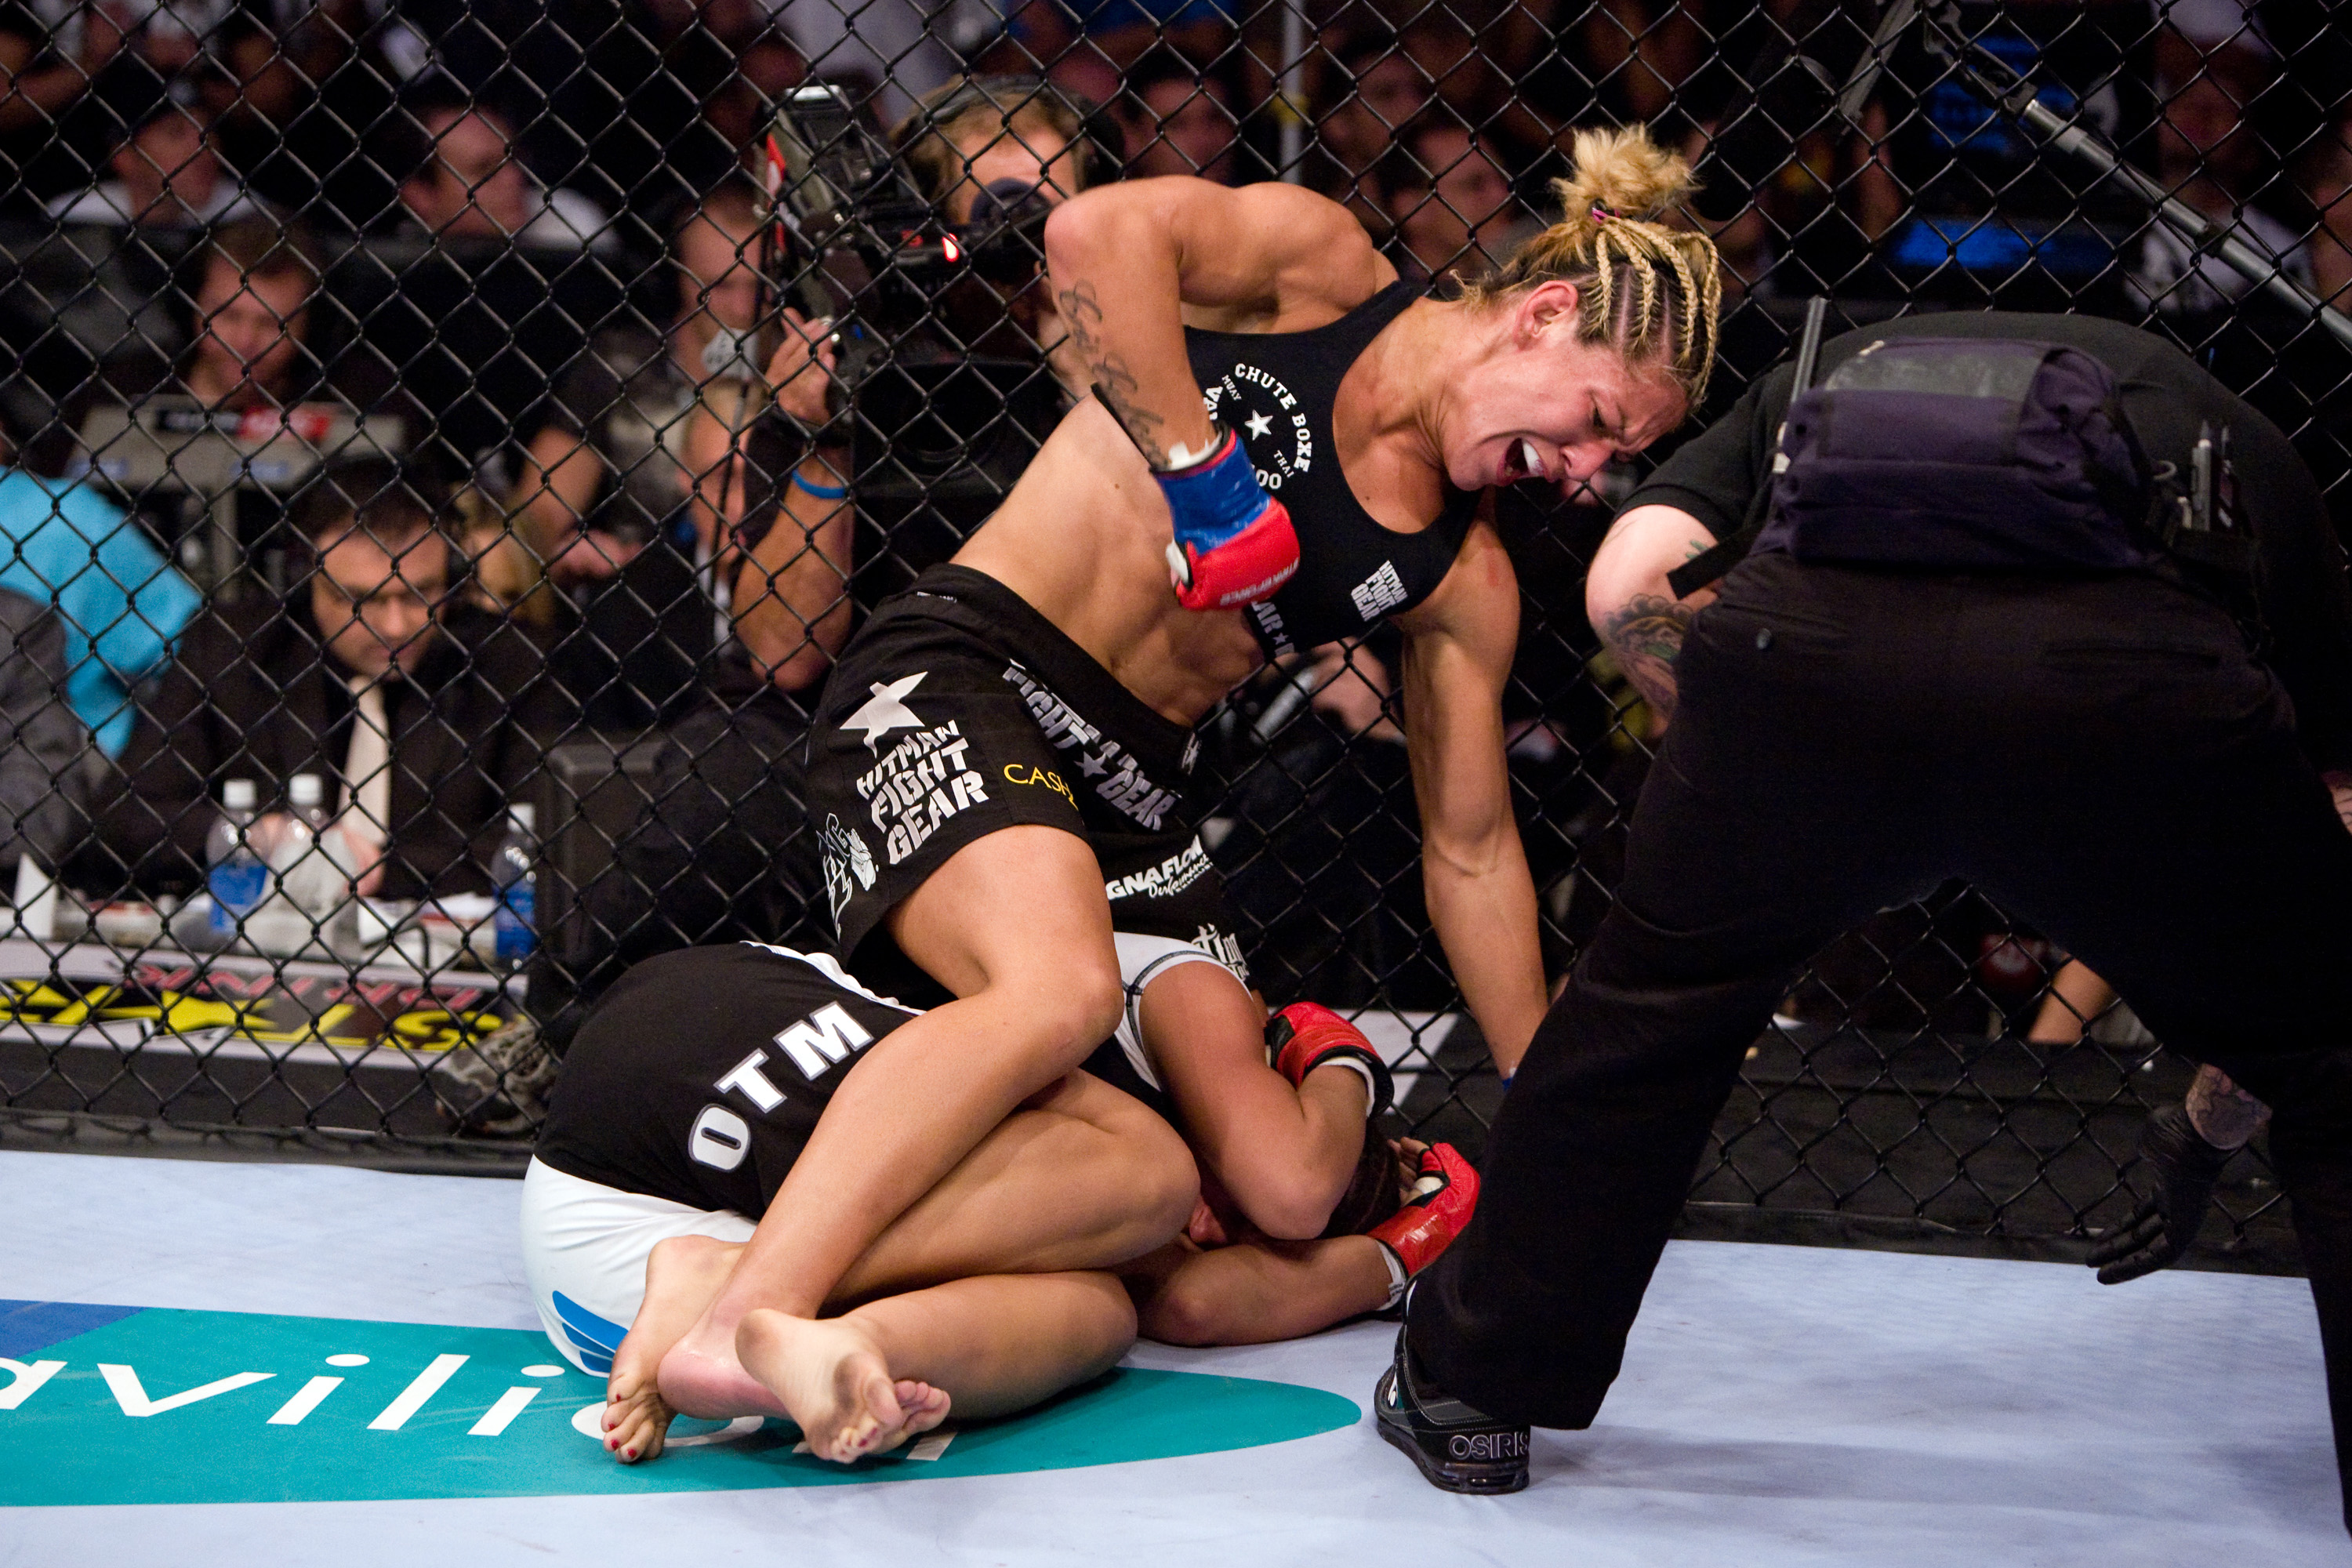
x=636 y=1421
x=925 y=1407
x=831 y=1376
x=683 y=1276
x=701 y=1376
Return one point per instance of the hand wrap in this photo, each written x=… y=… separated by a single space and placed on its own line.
x=2167 y=1221
x=1440 y=1206
x=1234 y=543
x=1305 y=1035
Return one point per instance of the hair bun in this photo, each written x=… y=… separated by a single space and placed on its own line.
x=1624 y=171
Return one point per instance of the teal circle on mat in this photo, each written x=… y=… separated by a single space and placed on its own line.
x=167 y=1407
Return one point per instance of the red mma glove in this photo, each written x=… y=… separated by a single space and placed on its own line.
x=1305 y=1035
x=1442 y=1201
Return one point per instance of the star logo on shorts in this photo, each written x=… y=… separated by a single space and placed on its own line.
x=1258 y=424
x=888 y=711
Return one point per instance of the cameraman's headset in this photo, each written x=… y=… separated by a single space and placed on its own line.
x=1100 y=142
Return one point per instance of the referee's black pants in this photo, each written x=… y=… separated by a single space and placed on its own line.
x=2100 y=756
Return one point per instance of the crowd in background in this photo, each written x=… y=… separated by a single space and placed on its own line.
x=470 y=273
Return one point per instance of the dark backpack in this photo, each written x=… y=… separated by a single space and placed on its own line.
x=1963 y=454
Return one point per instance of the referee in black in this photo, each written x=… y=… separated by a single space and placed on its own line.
x=2110 y=683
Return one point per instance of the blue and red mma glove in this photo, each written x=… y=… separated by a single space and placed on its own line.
x=1305 y=1035
x=1234 y=543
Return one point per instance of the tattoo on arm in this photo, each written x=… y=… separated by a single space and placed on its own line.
x=1114 y=382
x=2223 y=1114
x=1646 y=634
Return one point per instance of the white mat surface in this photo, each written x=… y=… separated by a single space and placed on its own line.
x=1779 y=1405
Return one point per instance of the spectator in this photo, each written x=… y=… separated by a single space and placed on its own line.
x=44 y=745
x=969 y=134
x=2209 y=156
x=1381 y=90
x=251 y=357
x=304 y=127
x=605 y=482
x=121 y=604
x=46 y=71
x=1624 y=60
x=167 y=173
x=463 y=179
x=604 y=472
x=766 y=64
x=255 y=283
x=253 y=319
x=650 y=104
x=1084 y=72
x=1179 y=120
x=1121 y=31
x=1450 y=201
x=1458 y=61
x=424 y=715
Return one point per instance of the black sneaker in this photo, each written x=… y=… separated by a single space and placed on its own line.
x=1458 y=1449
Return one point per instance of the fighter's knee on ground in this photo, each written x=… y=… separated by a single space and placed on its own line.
x=1105 y=1330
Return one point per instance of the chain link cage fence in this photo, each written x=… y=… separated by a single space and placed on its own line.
x=453 y=327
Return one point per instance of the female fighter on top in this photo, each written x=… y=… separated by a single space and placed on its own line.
x=995 y=741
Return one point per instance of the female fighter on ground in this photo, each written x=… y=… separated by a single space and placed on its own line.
x=696 y=1084
x=993 y=739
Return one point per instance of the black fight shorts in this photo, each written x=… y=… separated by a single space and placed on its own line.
x=959 y=711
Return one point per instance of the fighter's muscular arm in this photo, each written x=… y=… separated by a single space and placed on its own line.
x=1458 y=647
x=1257 y=1292
x=1128 y=260
x=1283 y=1154
x=1633 y=606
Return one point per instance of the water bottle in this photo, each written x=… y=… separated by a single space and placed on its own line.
x=515 y=874
x=237 y=878
x=309 y=887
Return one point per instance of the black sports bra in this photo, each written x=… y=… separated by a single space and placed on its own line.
x=1275 y=390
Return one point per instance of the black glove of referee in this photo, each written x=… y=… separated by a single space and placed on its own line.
x=2168 y=1220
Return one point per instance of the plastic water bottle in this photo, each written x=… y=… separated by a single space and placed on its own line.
x=516 y=874
x=311 y=887
x=237 y=879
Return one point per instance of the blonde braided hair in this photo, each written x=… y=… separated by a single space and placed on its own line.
x=1650 y=292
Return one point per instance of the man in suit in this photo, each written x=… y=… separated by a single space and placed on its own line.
x=423 y=715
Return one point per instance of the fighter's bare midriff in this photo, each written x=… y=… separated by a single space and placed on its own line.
x=1083 y=539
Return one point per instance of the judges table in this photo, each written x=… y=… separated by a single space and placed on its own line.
x=218 y=1041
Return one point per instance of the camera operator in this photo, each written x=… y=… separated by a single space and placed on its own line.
x=990 y=156
x=721 y=850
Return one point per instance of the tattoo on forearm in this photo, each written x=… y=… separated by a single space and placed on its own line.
x=1114 y=382
x=1646 y=634
x=2223 y=1114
